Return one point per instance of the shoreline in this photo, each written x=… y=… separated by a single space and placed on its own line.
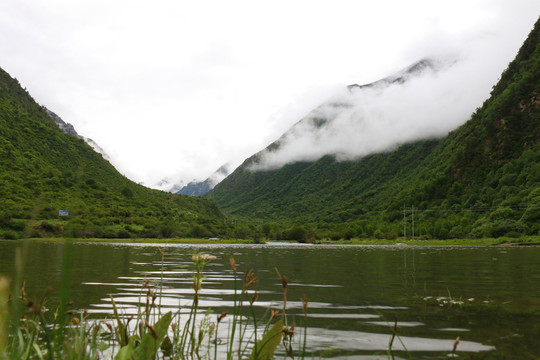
x=503 y=241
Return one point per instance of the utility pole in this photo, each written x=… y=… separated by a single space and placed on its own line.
x=404 y=224
x=412 y=210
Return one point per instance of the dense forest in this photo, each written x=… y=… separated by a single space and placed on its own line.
x=43 y=171
x=482 y=180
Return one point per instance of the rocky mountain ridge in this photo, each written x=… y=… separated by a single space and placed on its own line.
x=70 y=130
x=200 y=188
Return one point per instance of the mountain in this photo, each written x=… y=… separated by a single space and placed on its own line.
x=46 y=174
x=200 y=188
x=365 y=110
x=70 y=130
x=482 y=179
x=404 y=75
x=168 y=184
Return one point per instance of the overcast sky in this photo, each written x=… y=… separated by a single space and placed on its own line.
x=176 y=88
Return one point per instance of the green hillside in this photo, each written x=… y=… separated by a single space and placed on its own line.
x=43 y=170
x=483 y=179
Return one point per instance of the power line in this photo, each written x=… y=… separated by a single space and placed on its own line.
x=478 y=209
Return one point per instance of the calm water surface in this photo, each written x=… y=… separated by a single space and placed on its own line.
x=488 y=296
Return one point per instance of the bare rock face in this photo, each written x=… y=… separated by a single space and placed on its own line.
x=65 y=127
x=70 y=130
x=200 y=188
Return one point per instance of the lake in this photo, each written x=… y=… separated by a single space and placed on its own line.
x=489 y=297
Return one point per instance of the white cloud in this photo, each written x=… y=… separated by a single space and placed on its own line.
x=176 y=89
x=378 y=118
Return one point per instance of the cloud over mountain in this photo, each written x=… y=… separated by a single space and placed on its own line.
x=425 y=100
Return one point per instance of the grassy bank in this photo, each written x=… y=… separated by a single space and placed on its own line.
x=502 y=241
x=148 y=240
x=526 y=240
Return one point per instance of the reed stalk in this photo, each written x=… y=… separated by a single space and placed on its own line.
x=31 y=333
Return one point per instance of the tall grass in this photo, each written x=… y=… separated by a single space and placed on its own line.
x=29 y=330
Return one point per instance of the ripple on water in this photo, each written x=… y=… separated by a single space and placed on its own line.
x=322 y=339
x=344 y=316
x=399 y=323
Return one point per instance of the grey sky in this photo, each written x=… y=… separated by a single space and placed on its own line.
x=177 y=88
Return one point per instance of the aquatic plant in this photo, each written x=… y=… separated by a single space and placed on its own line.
x=30 y=330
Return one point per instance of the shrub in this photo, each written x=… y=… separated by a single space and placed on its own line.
x=9 y=235
x=457 y=232
x=501 y=228
x=123 y=234
x=513 y=234
x=242 y=232
x=166 y=232
x=389 y=235
x=378 y=234
x=297 y=232
x=49 y=228
x=348 y=233
x=127 y=192
x=198 y=231
x=5 y=220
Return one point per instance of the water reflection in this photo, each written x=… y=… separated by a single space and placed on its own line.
x=355 y=294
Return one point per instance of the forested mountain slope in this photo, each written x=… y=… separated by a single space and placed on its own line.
x=483 y=179
x=43 y=170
